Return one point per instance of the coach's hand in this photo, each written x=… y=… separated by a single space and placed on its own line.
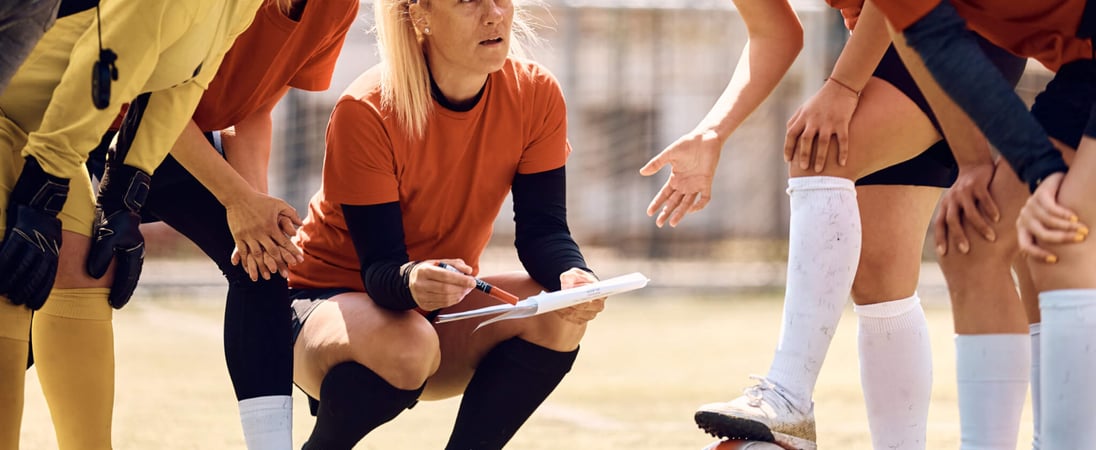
x=435 y=288
x=693 y=159
x=116 y=232
x=582 y=312
x=32 y=240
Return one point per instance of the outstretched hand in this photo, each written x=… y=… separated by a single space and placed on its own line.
x=693 y=159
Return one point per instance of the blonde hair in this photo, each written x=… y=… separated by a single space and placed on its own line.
x=405 y=77
x=284 y=5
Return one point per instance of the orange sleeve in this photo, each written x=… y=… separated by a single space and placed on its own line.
x=359 y=165
x=548 y=148
x=903 y=13
x=315 y=75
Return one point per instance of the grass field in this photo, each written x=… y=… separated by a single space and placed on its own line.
x=645 y=364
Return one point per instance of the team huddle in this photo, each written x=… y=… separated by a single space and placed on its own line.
x=115 y=113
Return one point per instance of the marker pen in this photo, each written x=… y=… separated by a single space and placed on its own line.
x=485 y=287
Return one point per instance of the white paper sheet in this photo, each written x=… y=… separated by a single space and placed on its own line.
x=551 y=301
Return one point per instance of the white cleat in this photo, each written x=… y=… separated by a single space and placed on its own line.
x=762 y=414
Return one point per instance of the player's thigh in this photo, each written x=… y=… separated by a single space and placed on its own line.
x=351 y=327
x=887 y=128
x=1076 y=261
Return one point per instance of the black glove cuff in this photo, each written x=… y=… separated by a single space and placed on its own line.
x=39 y=190
x=123 y=187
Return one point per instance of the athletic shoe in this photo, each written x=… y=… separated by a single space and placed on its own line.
x=762 y=414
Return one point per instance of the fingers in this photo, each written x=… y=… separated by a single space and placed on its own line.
x=654 y=165
x=684 y=208
x=973 y=216
x=1031 y=249
x=791 y=138
x=940 y=231
x=660 y=199
x=843 y=147
x=957 y=237
x=672 y=204
x=806 y=145
x=822 y=150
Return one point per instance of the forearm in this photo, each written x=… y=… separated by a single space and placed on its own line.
x=863 y=51
x=542 y=238
x=966 y=75
x=775 y=39
x=195 y=153
x=967 y=143
x=247 y=149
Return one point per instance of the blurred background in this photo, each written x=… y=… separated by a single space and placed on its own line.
x=636 y=74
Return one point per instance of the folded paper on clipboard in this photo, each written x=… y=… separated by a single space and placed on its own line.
x=551 y=301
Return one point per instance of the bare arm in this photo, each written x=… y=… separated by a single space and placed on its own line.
x=775 y=39
x=827 y=114
x=247 y=149
x=259 y=223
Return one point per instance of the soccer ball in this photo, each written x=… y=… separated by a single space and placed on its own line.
x=742 y=445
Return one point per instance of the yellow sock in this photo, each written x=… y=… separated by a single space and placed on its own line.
x=14 y=338
x=73 y=342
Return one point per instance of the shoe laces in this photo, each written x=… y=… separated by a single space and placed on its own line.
x=756 y=394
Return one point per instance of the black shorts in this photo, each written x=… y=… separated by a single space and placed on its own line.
x=1065 y=107
x=304 y=301
x=935 y=166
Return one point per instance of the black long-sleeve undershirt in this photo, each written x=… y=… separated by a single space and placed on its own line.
x=542 y=238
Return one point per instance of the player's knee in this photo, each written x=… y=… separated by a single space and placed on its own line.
x=406 y=362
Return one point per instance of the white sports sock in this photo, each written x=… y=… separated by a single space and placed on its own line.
x=1068 y=362
x=268 y=422
x=895 y=372
x=992 y=374
x=823 y=251
x=1035 y=413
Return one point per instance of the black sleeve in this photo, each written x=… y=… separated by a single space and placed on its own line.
x=543 y=241
x=377 y=233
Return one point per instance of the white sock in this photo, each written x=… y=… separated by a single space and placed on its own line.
x=895 y=372
x=992 y=374
x=1068 y=363
x=268 y=422
x=823 y=251
x=1035 y=413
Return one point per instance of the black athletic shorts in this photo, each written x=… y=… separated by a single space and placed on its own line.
x=935 y=166
x=1065 y=107
x=304 y=301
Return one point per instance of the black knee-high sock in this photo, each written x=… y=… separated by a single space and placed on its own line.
x=353 y=401
x=259 y=337
x=510 y=383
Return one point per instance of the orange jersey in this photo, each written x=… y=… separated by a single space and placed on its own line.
x=273 y=53
x=1045 y=30
x=450 y=184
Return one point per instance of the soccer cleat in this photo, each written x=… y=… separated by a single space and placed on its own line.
x=762 y=414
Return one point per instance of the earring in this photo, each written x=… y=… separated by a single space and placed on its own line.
x=426 y=30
